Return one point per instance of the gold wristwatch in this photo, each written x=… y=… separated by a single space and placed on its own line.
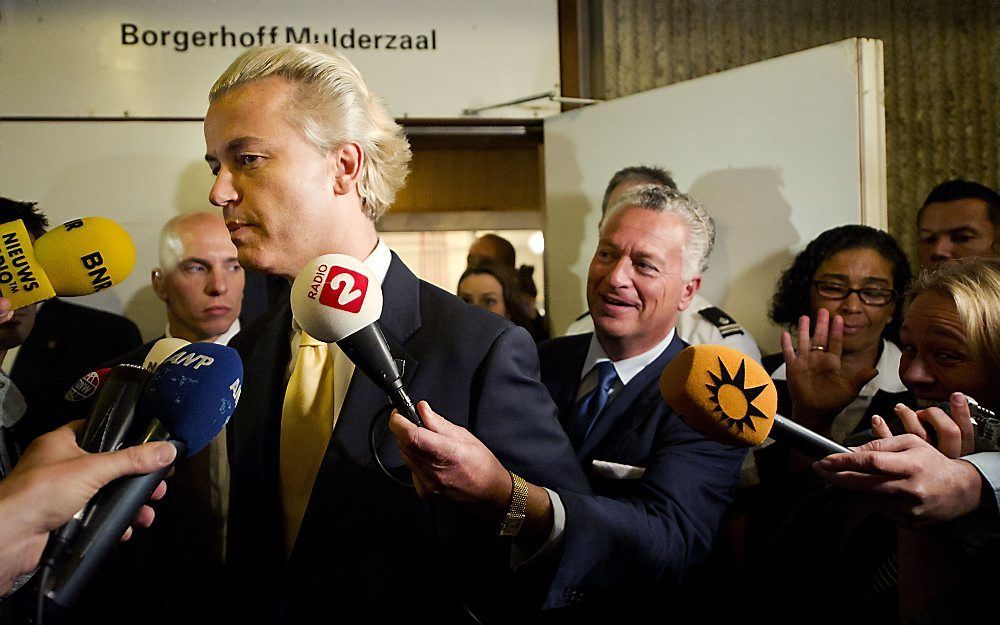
x=514 y=518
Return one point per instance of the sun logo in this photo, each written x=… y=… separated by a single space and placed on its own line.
x=733 y=400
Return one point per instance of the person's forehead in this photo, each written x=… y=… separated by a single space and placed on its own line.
x=205 y=237
x=240 y=114
x=966 y=212
x=651 y=228
x=860 y=261
x=934 y=314
x=481 y=281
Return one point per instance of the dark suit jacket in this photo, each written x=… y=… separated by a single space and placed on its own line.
x=67 y=341
x=638 y=538
x=369 y=550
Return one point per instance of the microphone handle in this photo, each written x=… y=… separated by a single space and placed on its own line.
x=74 y=563
x=803 y=439
x=113 y=409
x=401 y=401
x=109 y=420
x=369 y=351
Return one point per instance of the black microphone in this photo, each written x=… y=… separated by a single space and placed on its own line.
x=728 y=397
x=985 y=426
x=187 y=401
x=111 y=414
x=336 y=299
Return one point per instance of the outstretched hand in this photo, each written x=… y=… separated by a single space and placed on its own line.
x=816 y=382
x=909 y=480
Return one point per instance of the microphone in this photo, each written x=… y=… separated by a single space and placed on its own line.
x=113 y=409
x=80 y=257
x=985 y=428
x=186 y=401
x=336 y=299
x=114 y=406
x=161 y=350
x=84 y=388
x=728 y=397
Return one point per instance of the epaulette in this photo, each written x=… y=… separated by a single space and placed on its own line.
x=722 y=320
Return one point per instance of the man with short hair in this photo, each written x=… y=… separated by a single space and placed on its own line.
x=661 y=488
x=199 y=278
x=322 y=520
x=958 y=219
x=701 y=322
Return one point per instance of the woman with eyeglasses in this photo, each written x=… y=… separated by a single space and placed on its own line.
x=850 y=277
x=842 y=300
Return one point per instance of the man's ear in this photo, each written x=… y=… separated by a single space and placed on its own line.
x=690 y=288
x=156 y=278
x=348 y=160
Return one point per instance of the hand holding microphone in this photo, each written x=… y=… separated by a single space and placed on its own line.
x=80 y=257
x=336 y=299
x=187 y=401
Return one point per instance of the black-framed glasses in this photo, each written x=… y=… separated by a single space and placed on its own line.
x=870 y=296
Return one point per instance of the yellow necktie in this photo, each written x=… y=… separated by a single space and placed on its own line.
x=307 y=418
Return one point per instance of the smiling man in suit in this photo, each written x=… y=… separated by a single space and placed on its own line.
x=661 y=488
x=306 y=159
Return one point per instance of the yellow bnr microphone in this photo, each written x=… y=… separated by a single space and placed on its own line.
x=79 y=257
x=729 y=397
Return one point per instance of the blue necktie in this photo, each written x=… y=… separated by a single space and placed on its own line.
x=590 y=405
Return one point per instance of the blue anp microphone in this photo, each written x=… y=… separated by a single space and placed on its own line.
x=187 y=401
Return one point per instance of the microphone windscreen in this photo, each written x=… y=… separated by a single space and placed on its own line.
x=84 y=256
x=22 y=279
x=160 y=350
x=722 y=393
x=334 y=296
x=84 y=388
x=193 y=393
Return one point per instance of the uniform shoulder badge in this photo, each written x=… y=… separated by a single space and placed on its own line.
x=722 y=320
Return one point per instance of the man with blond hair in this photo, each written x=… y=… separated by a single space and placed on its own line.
x=322 y=519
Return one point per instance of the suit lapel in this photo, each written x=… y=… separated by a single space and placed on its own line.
x=563 y=385
x=623 y=413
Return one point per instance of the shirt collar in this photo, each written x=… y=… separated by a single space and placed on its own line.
x=629 y=367
x=222 y=339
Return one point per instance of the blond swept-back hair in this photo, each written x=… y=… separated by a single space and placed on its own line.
x=331 y=106
x=973 y=284
x=700 y=236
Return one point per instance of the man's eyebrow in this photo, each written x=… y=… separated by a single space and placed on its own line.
x=963 y=228
x=234 y=145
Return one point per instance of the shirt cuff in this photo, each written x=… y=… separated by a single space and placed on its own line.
x=988 y=465
x=519 y=557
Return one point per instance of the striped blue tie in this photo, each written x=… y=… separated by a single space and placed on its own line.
x=590 y=405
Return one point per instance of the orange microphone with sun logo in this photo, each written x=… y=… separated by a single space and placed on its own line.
x=728 y=397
